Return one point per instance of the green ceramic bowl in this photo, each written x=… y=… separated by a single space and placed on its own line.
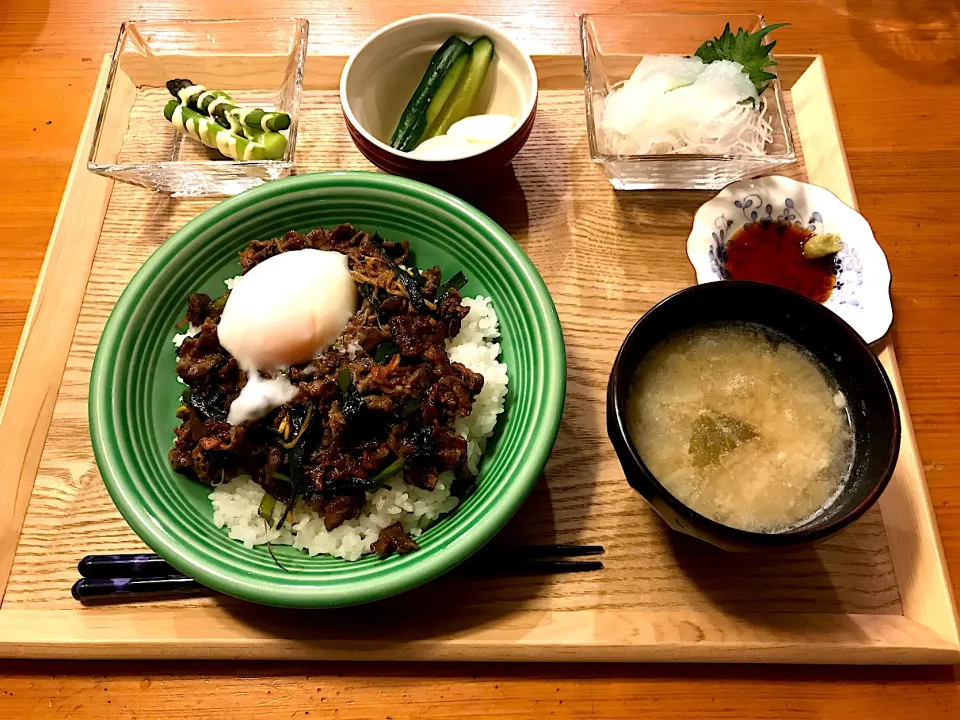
x=134 y=392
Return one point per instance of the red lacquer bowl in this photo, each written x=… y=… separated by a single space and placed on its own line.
x=381 y=75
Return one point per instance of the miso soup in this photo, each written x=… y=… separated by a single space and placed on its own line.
x=741 y=425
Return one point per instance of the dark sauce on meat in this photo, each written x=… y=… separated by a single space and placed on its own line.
x=771 y=251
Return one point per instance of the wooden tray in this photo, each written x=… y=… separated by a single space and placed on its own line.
x=877 y=593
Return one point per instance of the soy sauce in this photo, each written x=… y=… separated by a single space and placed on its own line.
x=771 y=251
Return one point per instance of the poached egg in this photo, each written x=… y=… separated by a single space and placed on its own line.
x=286 y=310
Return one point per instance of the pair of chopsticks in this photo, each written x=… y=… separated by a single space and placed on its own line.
x=129 y=576
x=133 y=576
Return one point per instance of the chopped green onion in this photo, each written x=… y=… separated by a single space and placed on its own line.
x=385 y=351
x=456 y=283
x=389 y=471
x=221 y=302
x=410 y=408
x=412 y=281
x=267 y=505
x=300 y=417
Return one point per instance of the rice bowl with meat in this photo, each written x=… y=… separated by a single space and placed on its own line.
x=417 y=363
x=134 y=393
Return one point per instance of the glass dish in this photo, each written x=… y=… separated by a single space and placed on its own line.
x=258 y=62
x=612 y=46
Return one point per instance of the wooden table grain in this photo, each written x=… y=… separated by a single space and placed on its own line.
x=893 y=66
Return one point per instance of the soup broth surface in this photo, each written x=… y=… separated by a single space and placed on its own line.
x=741 y=425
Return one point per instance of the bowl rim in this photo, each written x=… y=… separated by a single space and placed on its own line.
x=620 y=375
x=191 y=559
x=528 y=108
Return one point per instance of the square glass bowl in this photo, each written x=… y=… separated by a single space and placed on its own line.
x=257 y=62
x=612 y=47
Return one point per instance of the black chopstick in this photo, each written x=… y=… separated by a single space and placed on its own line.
x=131 y=565
x=129 y=588
x=136 y=575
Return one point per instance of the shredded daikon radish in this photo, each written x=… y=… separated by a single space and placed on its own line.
x=674 y=104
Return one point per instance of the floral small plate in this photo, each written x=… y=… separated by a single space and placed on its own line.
x=861 y=295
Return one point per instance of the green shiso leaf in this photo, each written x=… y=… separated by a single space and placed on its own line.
x=745 y=48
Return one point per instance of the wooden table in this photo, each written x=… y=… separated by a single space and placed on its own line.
x=893 y=66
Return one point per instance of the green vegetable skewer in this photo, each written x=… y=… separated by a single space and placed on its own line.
x=228 y=115
x=221 y=107
x=204 y=130
x=196 y=97
x=274 y=144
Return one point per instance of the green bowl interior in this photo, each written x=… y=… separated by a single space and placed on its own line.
x=134 y=391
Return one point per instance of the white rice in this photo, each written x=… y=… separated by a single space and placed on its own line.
x=236 y=503
x=192 y=331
